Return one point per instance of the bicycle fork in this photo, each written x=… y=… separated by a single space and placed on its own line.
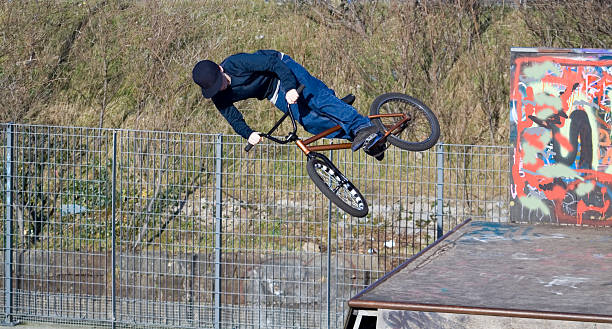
x=339 y=176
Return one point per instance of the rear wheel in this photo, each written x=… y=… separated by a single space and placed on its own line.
x=420 y=132
x=336 y=187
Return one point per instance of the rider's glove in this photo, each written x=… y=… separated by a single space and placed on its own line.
x=254 y=138
x=292 y=96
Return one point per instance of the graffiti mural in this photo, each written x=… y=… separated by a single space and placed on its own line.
x=560 y=117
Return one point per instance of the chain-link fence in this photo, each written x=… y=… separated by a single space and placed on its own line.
x=124 y=227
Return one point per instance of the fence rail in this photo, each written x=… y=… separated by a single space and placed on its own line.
x=126 y=227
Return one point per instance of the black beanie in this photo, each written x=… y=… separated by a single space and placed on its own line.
x=208 y=76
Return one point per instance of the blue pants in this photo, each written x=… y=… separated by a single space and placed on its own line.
x=318 y=108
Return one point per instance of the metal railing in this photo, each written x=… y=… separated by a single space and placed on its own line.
x=126 y=227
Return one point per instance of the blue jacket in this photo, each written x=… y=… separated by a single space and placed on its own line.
x=253 y=76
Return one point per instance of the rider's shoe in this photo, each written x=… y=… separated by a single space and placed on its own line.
x=365 y=137
x=376 y=151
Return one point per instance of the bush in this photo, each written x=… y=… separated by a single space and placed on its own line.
x=128 y=63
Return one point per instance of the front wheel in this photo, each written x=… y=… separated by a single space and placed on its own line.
x=419 y=132
x=336 y=187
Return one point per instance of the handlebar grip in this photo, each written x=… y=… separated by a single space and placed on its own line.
x=248 y=147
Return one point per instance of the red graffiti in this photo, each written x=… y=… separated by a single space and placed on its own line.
x=534 y=140
x=582 y=208
x=564 y=142
x=573 y=76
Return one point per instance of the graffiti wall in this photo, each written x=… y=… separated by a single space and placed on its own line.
x=560 y=116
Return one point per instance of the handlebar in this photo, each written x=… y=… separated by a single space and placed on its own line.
x=291 y=136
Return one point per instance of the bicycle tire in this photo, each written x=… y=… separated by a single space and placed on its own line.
x=421 y=132
x=337 y=188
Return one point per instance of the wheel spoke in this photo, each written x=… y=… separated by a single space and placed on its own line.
x=420 y=132
x=414 y=130
x=338 y=185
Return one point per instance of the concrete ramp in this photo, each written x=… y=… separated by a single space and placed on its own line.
x=497 y=275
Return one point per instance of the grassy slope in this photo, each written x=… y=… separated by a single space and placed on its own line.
x=129 y=63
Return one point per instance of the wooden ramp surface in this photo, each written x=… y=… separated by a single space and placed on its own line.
x=514 y=270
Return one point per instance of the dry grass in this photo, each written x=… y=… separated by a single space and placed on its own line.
x=127 y=63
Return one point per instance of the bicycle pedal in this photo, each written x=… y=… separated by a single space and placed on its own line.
x=382 y=142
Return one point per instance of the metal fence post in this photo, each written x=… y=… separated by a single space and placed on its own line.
x=440 y=190
x=113 y=234
x=218 y=215
x=8 y=226
x=329 y=243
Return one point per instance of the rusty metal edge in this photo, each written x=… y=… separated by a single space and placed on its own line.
x=562 y=51
x=369 y=304
x=410 y=260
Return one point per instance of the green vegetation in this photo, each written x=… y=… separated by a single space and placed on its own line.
x=128 y=64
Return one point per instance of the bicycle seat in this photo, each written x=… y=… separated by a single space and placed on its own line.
x=348 y=99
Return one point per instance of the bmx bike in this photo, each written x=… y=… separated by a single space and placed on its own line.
x=405 y=122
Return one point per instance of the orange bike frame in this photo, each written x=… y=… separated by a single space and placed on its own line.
x=303 y=144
